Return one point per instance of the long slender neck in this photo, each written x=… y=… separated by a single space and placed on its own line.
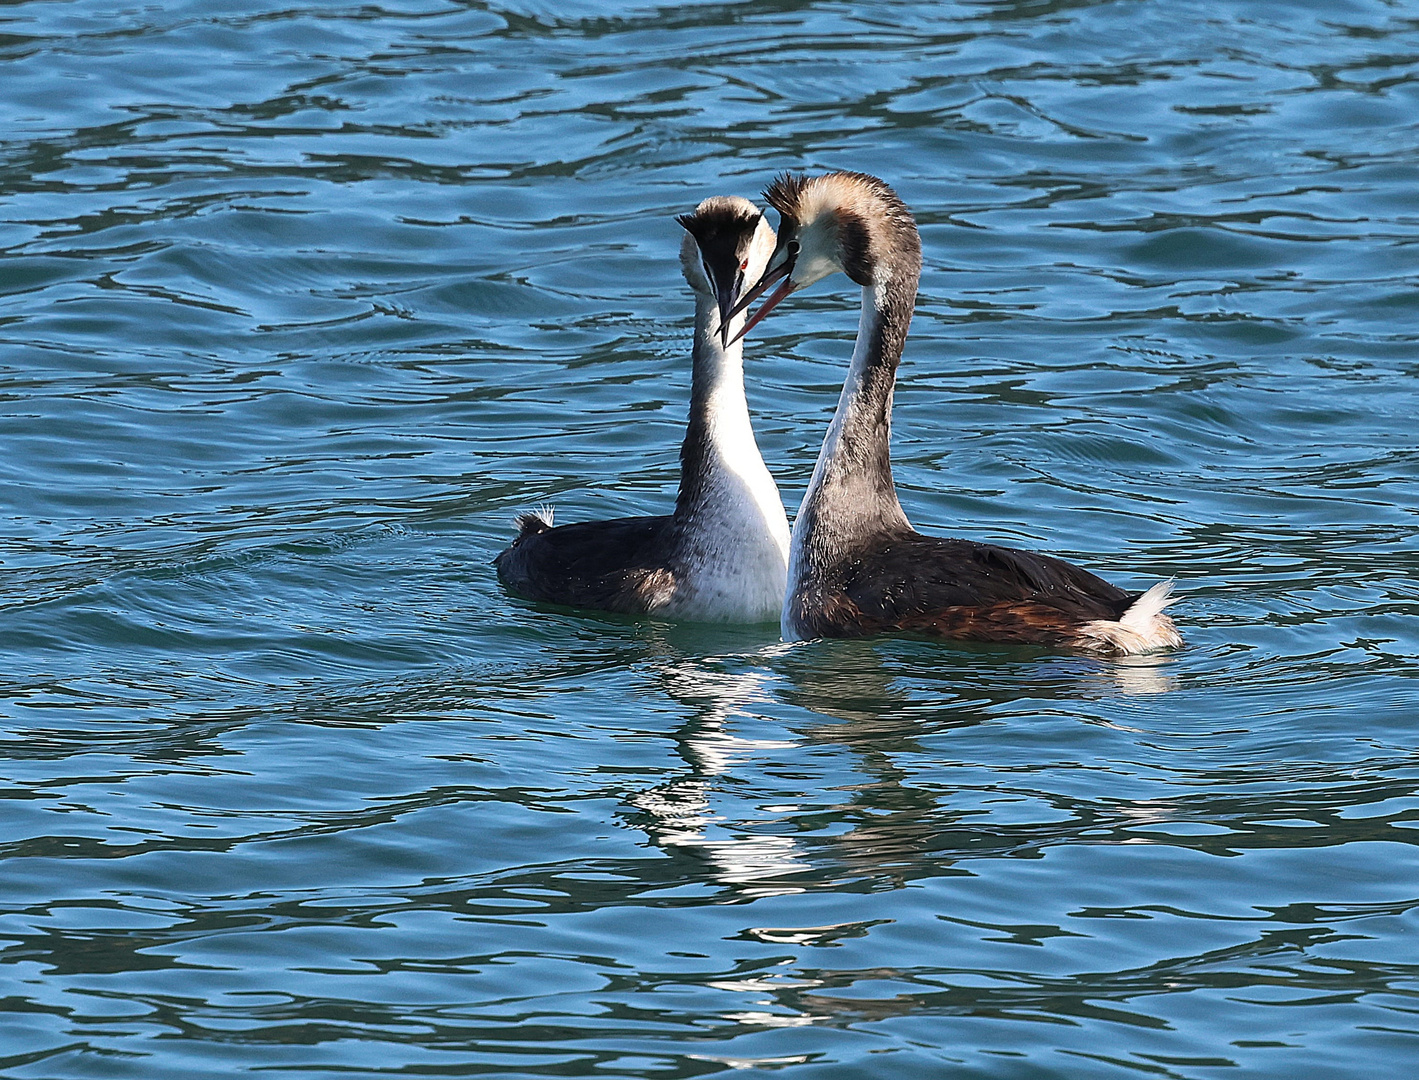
x=719 y=432
x=852 y=496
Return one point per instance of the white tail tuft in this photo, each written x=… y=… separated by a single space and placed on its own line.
x=1142 y=628
x=1146 y=609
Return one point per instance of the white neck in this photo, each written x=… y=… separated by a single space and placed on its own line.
x=732 y=527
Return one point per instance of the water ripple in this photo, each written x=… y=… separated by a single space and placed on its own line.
x=299 y=306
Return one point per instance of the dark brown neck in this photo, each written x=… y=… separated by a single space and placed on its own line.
x=852 y=498
x=865 y=444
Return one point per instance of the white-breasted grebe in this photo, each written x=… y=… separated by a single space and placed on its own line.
x=722 y=556
x=856 y=565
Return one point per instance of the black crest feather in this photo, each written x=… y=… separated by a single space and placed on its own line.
x=709 y=222
x=785 y=191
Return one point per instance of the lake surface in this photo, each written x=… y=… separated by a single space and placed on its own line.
x=299 y=305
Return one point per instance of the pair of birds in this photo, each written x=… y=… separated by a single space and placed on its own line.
x=853 y=565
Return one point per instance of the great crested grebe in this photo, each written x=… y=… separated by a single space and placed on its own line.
x=856 y=565
x=722 y=556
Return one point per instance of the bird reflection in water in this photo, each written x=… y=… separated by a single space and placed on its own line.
x=879 y=701
x=681 y=810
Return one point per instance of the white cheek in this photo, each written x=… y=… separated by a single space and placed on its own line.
x=760 y=252
x=811 y=268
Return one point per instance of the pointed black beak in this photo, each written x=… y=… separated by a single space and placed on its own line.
x=784 y=270
x=725 y=295
x=761 y=286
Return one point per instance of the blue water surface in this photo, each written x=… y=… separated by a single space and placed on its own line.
x=301 y=303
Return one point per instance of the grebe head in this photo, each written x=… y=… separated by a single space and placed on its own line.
x=841 y=221
x=727 y=248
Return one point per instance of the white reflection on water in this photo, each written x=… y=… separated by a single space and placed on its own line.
x=682 y=808
x=1146 y=674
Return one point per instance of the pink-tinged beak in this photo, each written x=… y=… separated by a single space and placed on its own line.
x=767 y=306
x=761 y=286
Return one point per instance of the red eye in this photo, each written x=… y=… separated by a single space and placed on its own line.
x=744 y=265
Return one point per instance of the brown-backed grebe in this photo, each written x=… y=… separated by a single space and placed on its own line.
x=856 y=565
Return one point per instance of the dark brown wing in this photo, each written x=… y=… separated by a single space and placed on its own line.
x=964 y=590
x=618 y=565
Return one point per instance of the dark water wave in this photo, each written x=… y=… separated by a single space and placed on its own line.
x=299 y=305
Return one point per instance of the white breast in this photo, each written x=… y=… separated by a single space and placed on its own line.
x=734 y=556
